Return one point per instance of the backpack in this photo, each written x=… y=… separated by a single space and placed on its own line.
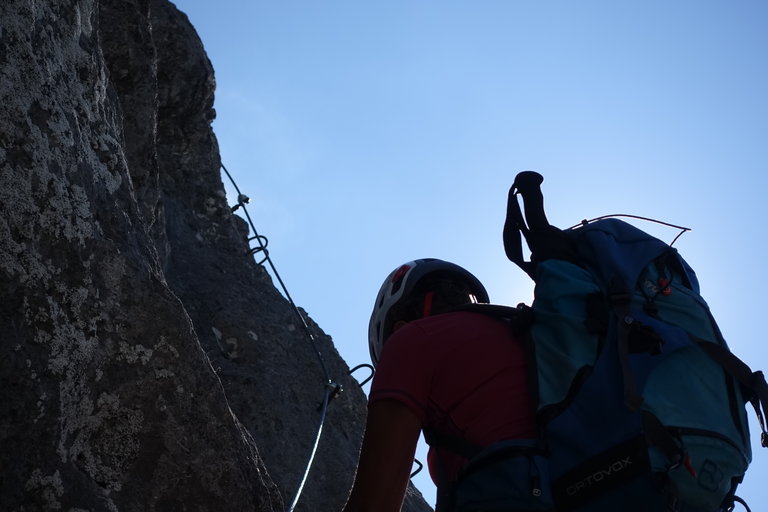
x=640 y=403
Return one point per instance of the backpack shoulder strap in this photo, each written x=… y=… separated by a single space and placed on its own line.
x=519 y=317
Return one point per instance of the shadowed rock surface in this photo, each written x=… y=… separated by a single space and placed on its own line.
x=146 y=361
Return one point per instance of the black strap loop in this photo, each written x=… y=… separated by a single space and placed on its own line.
x=544 y=240
x=514 y=230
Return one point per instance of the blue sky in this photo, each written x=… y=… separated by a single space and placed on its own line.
x=372 y=133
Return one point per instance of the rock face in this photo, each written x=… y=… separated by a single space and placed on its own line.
x=147 y=362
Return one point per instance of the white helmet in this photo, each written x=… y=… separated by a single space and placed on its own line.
x=400 y=285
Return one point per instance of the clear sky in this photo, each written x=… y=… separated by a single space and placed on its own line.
x=368 y=134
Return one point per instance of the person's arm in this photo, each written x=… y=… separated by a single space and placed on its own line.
x=386 y=457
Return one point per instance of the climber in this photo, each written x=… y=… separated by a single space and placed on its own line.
x=443 y=371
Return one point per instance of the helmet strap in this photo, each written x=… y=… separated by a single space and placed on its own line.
x=428 y=303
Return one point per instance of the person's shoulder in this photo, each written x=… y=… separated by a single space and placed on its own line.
x=435 y=325
x=458 y=325
x=457 y=322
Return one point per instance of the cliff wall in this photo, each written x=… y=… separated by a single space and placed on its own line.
x=147 y=362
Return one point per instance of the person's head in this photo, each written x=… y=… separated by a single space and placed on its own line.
x=418 y=289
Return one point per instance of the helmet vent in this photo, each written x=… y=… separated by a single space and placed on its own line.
x=397 y=278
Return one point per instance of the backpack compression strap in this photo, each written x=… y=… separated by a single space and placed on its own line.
x=632 y=399
x=751 y=381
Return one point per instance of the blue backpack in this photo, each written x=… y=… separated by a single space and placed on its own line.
x=640 y=403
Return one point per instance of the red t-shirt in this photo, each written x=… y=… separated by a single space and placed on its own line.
x=463 y=374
